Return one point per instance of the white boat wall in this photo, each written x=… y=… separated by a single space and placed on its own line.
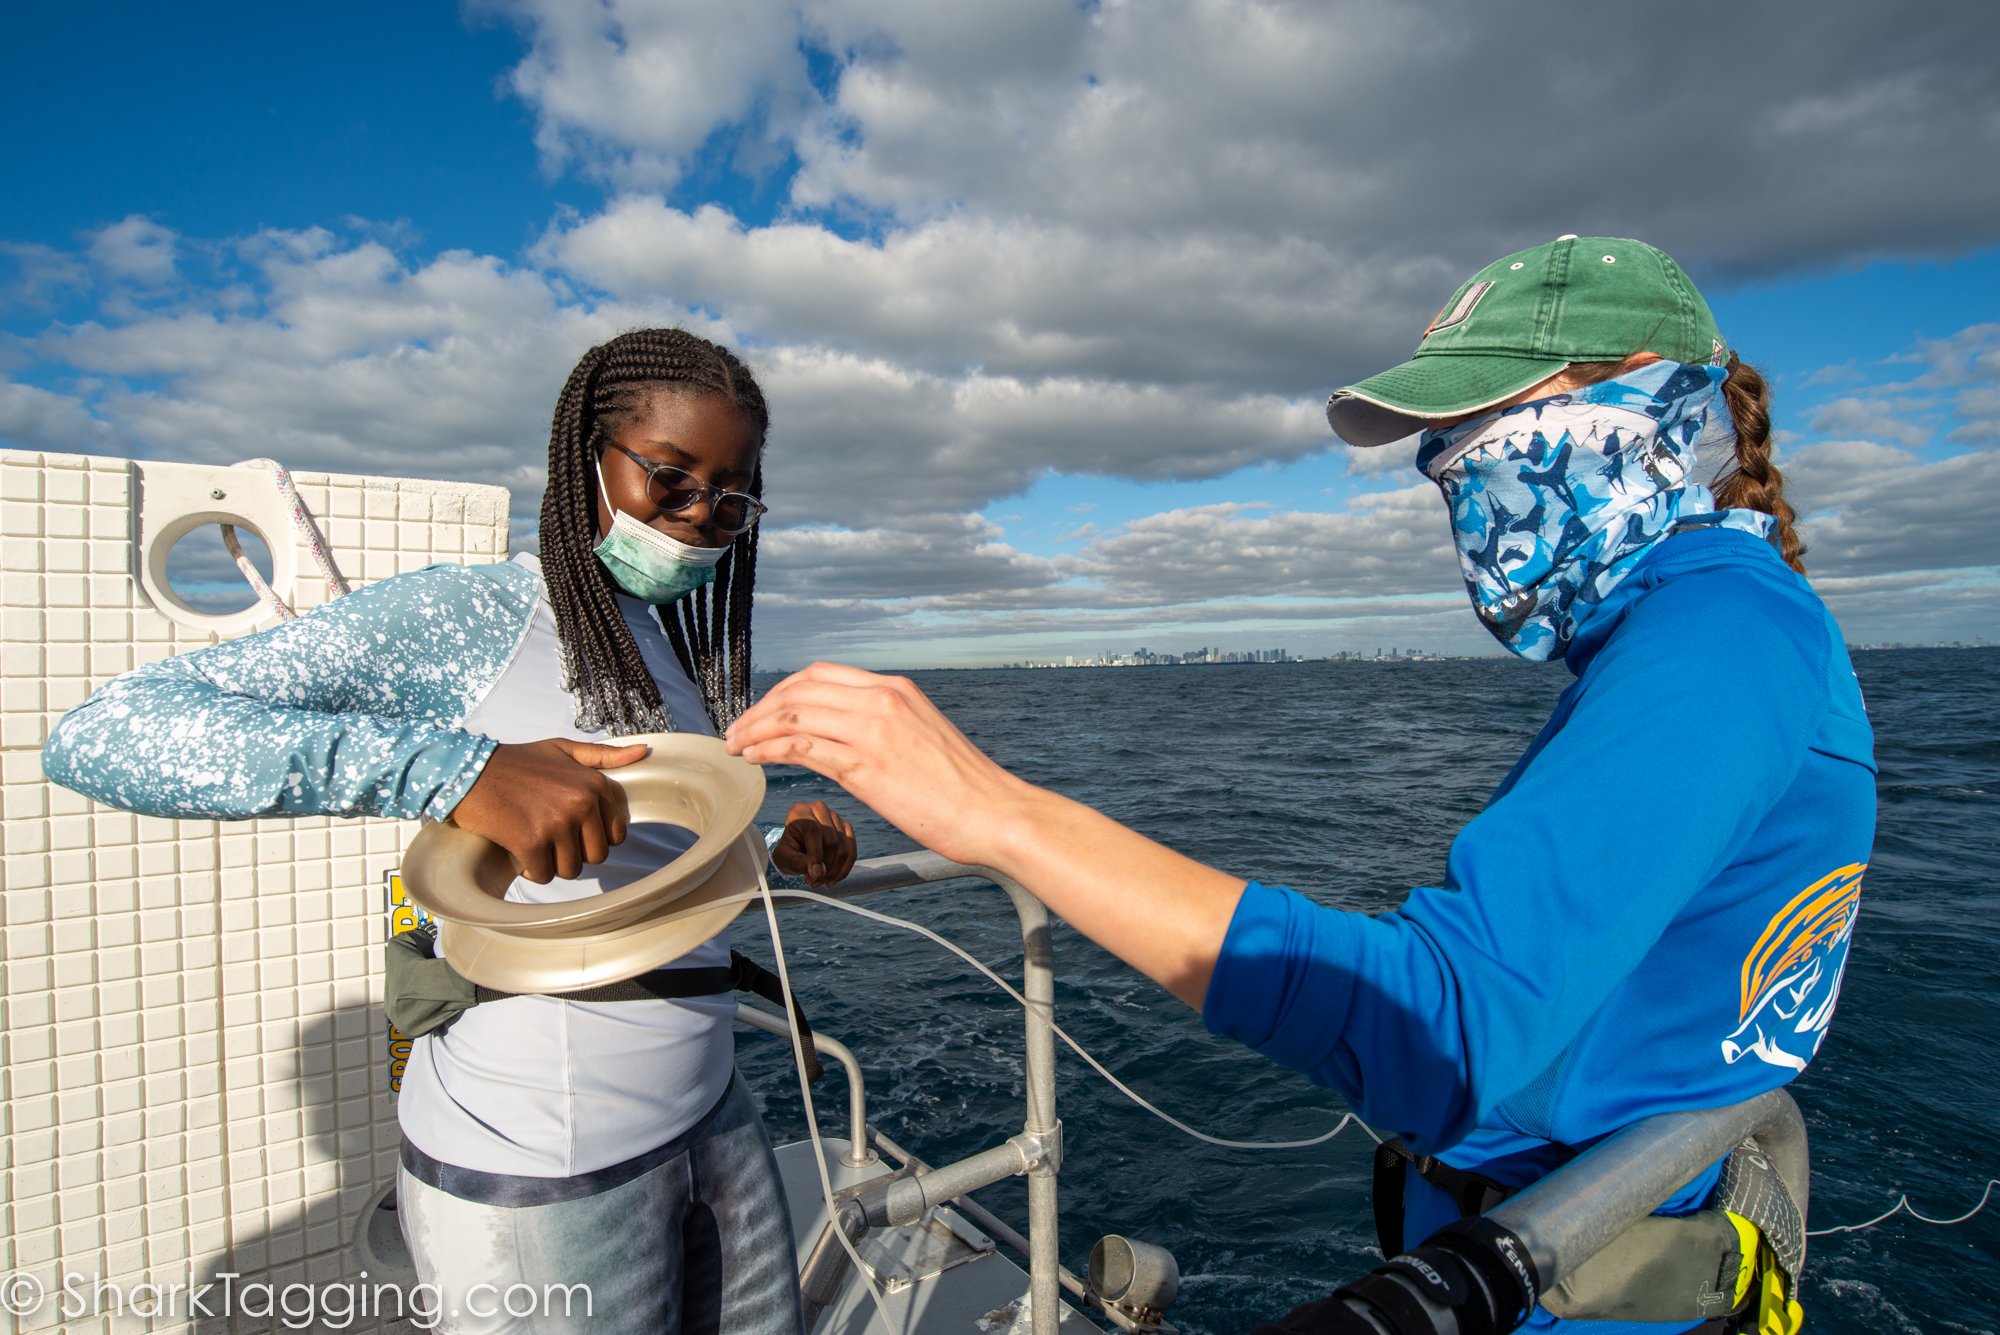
x=196 y=1065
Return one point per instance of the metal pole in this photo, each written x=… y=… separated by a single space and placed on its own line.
x=824 y=1272
x=858 y=1154
x=1038 y=985
x=905 y=1200
x=979 y=1214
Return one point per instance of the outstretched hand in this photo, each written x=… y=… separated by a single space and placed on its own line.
x=549 y=805
x=882 y=740
x=817 y=844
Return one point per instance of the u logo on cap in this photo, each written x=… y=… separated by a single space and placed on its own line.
x=1457 y=312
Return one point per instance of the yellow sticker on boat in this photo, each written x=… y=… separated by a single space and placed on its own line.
x=404 y=916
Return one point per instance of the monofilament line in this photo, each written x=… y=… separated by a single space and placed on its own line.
x=1077 y=1047
x=1903 y=1204
x=812 y=1116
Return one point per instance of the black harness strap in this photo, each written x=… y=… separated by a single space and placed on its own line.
x=747 y=975
x=1472 y=1193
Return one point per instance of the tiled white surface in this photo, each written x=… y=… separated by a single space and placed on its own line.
x=193 y=1064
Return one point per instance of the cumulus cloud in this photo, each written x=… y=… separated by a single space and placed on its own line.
x=1883 y=419
x=1018 y=297
x=947 y=580
x=1927 y=611
x=1387 y=543
x=1206 y=195
x=1872 y=508
x=136 y=249
x=1356 y=119
x=1964 y=370
x=983 y=244
x=1878 y=484
x=41 y=274
x=349 y=359
x=1394 y=545
x=857 y=439
x=39 y=419
x=955 y=560
x=629 y=89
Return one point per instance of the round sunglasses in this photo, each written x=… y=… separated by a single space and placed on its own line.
x=671 y=490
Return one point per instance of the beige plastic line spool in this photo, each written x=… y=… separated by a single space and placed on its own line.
x=686 y=780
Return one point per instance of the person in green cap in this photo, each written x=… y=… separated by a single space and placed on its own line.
x=1652 y=912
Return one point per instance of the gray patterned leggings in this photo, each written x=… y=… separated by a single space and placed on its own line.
x=700 y=1243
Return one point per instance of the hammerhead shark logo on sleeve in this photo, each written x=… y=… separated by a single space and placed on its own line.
x=1791 y=977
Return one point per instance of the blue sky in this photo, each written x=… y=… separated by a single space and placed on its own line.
x=261 y=116
x=1045 y=297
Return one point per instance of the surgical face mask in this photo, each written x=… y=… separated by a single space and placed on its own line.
x=648 y=564
x=1554 y=502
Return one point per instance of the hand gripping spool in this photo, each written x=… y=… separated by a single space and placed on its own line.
x=686 y=780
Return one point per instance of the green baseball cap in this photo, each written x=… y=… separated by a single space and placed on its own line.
x=1523 y=318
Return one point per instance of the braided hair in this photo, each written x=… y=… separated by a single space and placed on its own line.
x=710 y=628
x=1753 y=482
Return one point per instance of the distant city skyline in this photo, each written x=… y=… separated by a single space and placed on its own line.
x=1116 y=659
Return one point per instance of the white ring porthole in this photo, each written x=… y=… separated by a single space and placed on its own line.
x=171 y=501
x=201 y=574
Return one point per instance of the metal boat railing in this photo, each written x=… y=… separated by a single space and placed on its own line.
x=1035 y=1153
x=1550 y=1228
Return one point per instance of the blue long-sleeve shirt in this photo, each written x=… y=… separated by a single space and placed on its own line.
x=1651 y=913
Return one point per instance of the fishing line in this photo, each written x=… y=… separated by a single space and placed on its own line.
x=1075 y=1046
x=1903 y=1203
x=812 y=1115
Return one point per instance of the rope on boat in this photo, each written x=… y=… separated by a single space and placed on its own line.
x=303 y=526
x=1902 y=1204
x=1075 y=1046
x=799 y=1047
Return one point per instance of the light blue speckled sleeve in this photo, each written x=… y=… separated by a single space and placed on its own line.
x=351 y=710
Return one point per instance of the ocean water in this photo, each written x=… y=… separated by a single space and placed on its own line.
x=1348 y=782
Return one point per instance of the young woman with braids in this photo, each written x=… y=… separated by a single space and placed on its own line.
x=1653 y=910
x=546 y=1141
